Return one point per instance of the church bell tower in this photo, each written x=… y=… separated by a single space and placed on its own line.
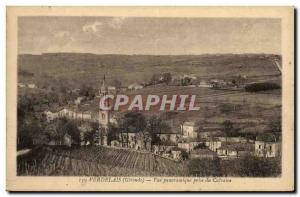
x=103 y=117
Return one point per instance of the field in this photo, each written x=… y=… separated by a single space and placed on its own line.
x=67 y=68
x=95 y=161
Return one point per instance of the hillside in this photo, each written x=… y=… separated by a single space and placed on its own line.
x=75 y=69
x=96 y=161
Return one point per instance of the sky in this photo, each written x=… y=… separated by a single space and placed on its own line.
x=154 y=36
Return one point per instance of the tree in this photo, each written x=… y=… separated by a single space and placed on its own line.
x=275 y=125
x=229 y=130
x=166 y=78
x=186 y=81
x=204 y=167
x=117 y=83
x=251 y=166
x=132 y=122
x=155 y=125
x=154 y=79
x=225 y=108
x=73 y=131
x=227 y=127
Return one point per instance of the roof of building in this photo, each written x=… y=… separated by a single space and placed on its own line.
x=189 y=124
x=238 y=146
x=200 y=151
x=266 y=137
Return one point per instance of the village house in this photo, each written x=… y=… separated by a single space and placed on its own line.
x=134 y=140
x=214 y=143
x=189 y=130
x=67 y=140
x=266 y=145
x=75 y=115
x=235 y=150
x=177 y=153
x=172 y=137
x=79 y=100
x=111 y=89
x=50 y=116
x=191 y=76
x=135 y=87
x=163 y=147
x=188 y=146
x=267 y=149
x=203 y=154
x=31 y=85
x=206 y=134
x=205 y=84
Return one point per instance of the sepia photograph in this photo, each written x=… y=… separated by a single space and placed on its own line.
x=151 y=98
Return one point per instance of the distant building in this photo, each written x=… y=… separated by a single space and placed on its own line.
x=267 y=146
x=208 y=134
x=50 y=116
x=172 y=137
x=21 y=85
x=67 y=140
x=79 y=100
x=164 y=147
x=203 y=154
x=188 y=146
x=215 y=143
x=191 y=76
x=135 y=87
x=235 y=150
x=176 y=153
x=189 y=130
x=134 y=140
x=111 y=88
x=267 y=149
x=75 y=115
x=205 y=84
x=31 y=85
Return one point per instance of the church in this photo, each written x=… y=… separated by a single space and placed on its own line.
x=104 y=119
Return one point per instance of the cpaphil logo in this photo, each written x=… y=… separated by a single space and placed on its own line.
x=148 y=102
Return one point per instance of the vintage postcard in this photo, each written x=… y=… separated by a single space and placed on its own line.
x=150 y=99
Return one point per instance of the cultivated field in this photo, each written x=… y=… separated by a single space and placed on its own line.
x=96 y=161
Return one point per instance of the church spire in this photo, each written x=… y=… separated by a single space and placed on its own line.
x=103 y=89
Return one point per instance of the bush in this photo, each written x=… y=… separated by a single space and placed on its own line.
x=204 y=167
